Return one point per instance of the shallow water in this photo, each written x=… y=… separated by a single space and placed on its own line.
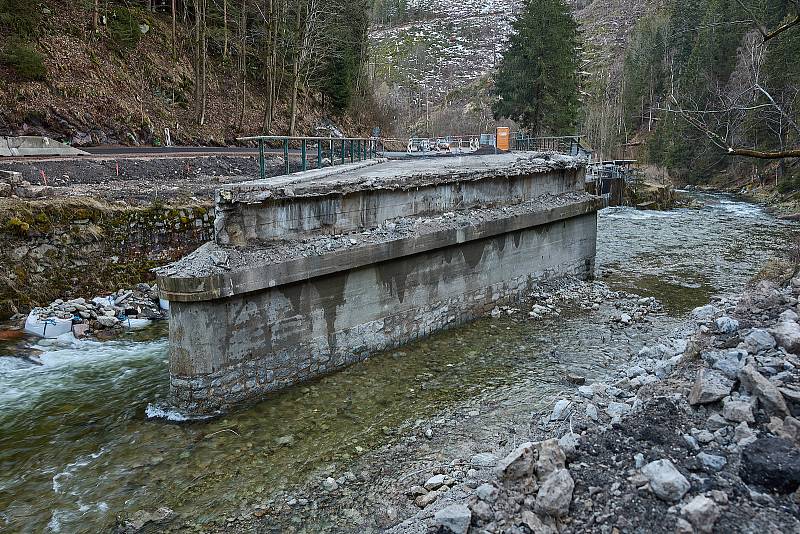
x=76 y=451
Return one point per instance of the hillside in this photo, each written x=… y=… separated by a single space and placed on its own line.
x=99 y=88
x=445 y=58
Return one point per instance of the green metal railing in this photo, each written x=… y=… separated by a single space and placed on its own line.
x=338 y=150
x=567 y=144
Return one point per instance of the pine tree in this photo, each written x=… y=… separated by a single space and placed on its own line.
x=537 y=81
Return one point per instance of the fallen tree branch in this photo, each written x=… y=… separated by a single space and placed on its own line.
x=759 y=154
x=767 y=34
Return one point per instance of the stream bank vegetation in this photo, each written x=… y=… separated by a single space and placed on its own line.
x=712 y=93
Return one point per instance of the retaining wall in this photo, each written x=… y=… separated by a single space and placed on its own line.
x=78 y=247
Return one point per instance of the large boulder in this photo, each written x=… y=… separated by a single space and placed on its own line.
x=765 y=391
x=665 y=480
x=710 y=386
x=772 y=463
x=787 y=335
x=555 y=494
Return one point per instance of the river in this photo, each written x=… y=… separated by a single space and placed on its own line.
x=76 y=451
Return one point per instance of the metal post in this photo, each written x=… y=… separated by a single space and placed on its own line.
x=319 y=153
x=366 y=148
x=286 y=154
x=342 y=151
x=303 y=153
x=351 y=151
x=261 y=169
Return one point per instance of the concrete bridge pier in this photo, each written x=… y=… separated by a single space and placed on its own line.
x=312 y=272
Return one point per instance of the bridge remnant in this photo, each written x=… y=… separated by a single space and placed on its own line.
x=311 y=272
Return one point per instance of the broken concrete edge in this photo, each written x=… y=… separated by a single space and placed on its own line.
x=316 y=182
x=31 y=145
x=258 y=277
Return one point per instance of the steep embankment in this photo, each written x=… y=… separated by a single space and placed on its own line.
x=107 y=88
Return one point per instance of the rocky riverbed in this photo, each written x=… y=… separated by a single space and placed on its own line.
x=698 y=433
x=342 y=453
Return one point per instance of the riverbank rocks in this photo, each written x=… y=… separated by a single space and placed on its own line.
x=454 y=519
x=695 y=435
x=765 y=391
x=518 y=463
x=704 y=313
x=484 y=459
x=710 y=386
x=561 y=410
x=702 y=513
x=549 y=457
x=758 y=340
x=712 y=462
x=727 y=325
x=738 y=411
x=665 y=480
x=555 y=494
x=787 y=335
x=728 y=362
x=771 y=463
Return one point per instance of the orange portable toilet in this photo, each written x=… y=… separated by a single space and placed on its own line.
x=503 y=138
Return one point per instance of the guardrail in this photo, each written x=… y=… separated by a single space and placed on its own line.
x=339 y=149
x=448 y=143
x=565 y=144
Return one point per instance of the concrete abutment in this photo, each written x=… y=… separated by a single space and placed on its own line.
x=287 y=305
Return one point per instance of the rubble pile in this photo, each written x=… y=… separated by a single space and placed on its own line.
x=103 y=313
x=700 y=433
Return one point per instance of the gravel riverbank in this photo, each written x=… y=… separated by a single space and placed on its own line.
x=698 y=435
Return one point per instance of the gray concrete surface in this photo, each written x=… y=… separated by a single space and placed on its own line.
x=29 y=145
x=256 y=315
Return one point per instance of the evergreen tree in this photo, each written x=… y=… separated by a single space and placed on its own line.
x=537 y=81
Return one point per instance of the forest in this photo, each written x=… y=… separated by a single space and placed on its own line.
x=707 y=80
x=268 y=55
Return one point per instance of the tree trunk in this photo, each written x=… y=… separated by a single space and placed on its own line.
x=293 y=107
x=200 y=60
x=205 y=64
x=243 y=60
x=225 y=28
x=174 y=34
x=96 y=16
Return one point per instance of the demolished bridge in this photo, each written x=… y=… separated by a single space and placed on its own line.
x=311 y=272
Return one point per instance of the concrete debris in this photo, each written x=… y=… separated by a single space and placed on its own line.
x=665 y=480
x=454 y=519
x=710 y=386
